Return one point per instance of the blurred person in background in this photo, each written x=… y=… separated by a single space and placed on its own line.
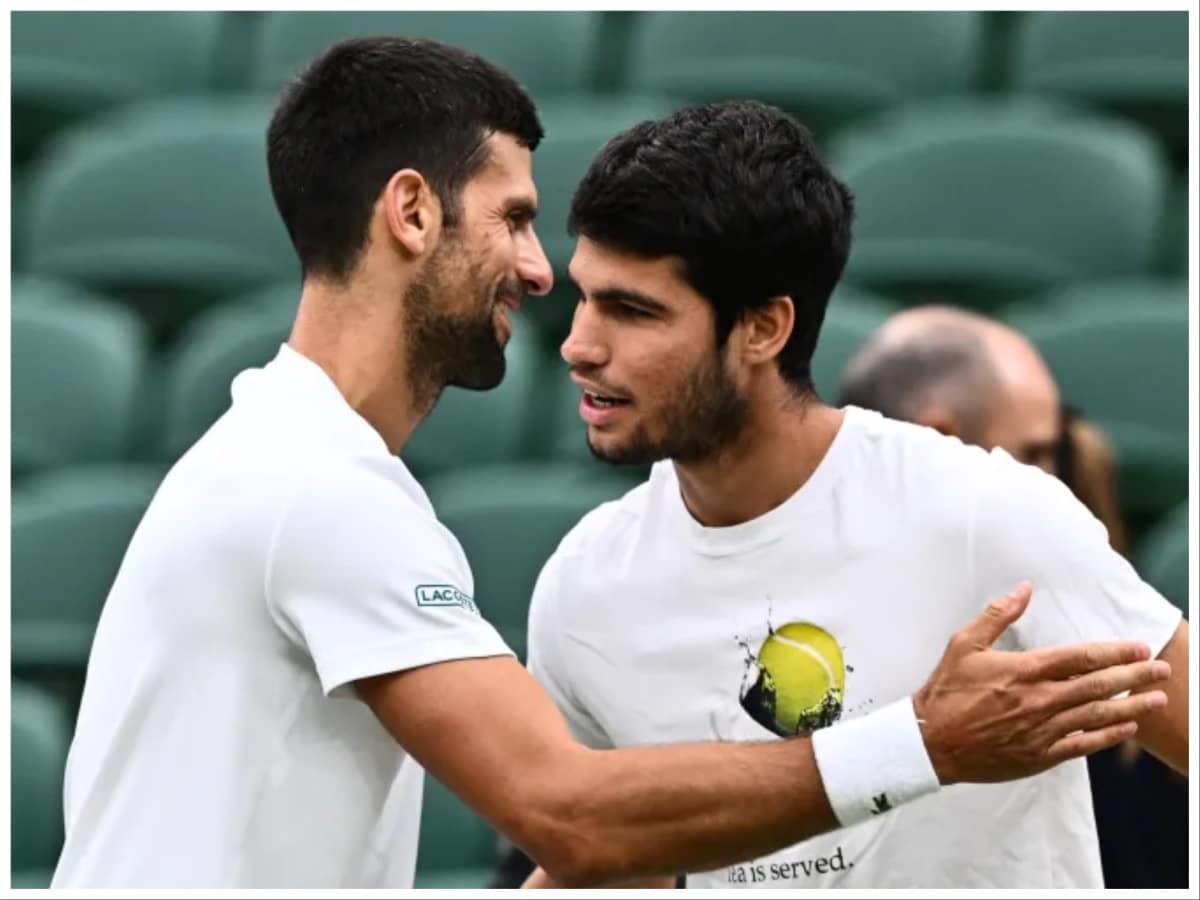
x=790 y=565
x=291 y=638
x=980 y=381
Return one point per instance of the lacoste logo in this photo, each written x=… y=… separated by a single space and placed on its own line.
x=444 y=595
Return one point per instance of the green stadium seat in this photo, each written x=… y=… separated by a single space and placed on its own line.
x=509 y=519
x=1163 y=557
x=825 y=67
x=1134 y=63
x=1124 y=366
x=983 y=201
x=547 y=52
x=77 y=361
x=69 y=65
x=456 y=849
x=852 y=317
x=471 y=428
x=40 y=737
x=167 y=203
x=200 y=367
x=70 y=530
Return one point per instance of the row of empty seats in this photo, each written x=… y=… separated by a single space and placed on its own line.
x=166 y=205
x=829 y=66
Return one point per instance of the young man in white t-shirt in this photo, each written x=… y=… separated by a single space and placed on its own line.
x=789 y=567
x=292 y=635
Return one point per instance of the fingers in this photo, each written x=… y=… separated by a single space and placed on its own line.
x=983 y=630
x=1101 y=714
x=1088 y=742
x=1061 y=663
x=1108 y=682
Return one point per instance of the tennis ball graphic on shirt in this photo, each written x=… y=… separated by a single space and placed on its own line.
x=801 y=681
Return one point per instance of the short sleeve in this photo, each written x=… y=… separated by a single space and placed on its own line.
x=1028 y=525
x=545 y=657
x=367 y=581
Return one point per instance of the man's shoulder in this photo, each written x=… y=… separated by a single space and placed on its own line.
x=914 y=467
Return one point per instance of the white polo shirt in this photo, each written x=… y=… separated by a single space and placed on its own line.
x=648 y=628
x=220 y=741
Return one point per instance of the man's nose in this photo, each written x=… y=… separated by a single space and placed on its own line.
x=584 y=347
x=533 y=267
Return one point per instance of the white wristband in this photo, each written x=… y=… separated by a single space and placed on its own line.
x=874 y=763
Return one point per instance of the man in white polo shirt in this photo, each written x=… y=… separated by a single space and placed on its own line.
x=292 y=634
x=791 y=567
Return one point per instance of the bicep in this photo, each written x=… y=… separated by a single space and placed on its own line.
x=481 y=726
x=1164 y=732
x=1029 y=526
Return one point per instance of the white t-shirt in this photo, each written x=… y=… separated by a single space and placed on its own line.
x=220 y=741
x=648 y=628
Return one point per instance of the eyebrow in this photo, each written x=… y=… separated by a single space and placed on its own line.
x=623 y=295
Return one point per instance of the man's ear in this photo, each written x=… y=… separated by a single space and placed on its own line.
x=940 y=420
x=766 y=329
x=412 y=212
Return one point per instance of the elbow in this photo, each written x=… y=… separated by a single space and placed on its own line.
x=572 y=865
x=569 y=856
x=554 y=832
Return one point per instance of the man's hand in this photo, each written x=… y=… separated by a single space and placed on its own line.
x=987 y=715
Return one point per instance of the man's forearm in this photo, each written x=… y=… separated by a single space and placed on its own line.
x=644 y=811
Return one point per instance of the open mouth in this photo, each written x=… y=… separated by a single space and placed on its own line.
x=599 y=401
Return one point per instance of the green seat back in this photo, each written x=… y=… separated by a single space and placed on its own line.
x=545 y=51
x=69 y=65
x=979 y=202
x=509 y=519
x=1125 y=367
x=76 y=364
x=70 y=531
x=40 y=736
x=1133 y=62
x=823 y=66
x=169 y=199
x=242 y=334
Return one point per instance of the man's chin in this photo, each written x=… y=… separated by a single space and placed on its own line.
x=483 y=377
x=630 y=453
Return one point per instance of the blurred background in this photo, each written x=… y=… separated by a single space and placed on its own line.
x=1031 y=166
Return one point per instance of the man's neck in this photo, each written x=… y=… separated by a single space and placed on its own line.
x=772 y=458
x=361 y=346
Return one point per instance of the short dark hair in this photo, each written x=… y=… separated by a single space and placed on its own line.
x=945 y=364
x=738 y=192
x=368 y=107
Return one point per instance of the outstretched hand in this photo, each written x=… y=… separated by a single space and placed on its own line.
x=990 y=715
